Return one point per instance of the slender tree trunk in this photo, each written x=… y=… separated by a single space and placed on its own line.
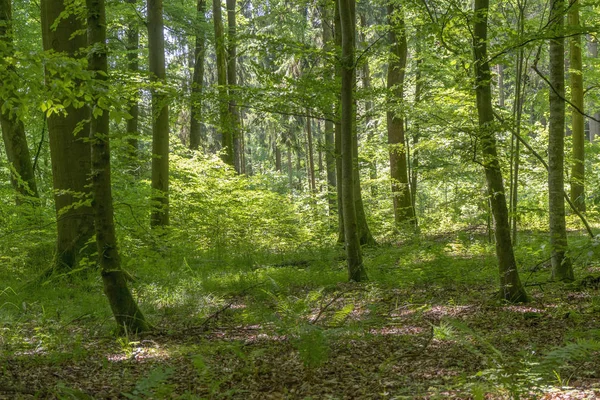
x=277 y=157
x=133 y=43
x=356 y=270
x=13 y=129
x=562 y=269
x=234 y=114
x=370 y=124
x=338 y=125
x=510 y=284
x=577 y=127
x=127 y=314
x=501 y=85
x=403 y=209
x=290 y=169
x=198 y=78
x=160 y=116
x=311 y=161
x=220 y=50
x=330 y=158
x=416 y=125
x=594 y=125
x=365 y=236
x=69 y=148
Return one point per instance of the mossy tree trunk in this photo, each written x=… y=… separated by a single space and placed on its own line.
x=403 y=209
x=562 y=269
x=511 y=288
x=127 y=314
x=13 y=130
x=69 y=148
x=356 y=270
x=160 y=116
x=198 y=77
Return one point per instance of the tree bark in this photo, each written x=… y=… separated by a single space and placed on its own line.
x=198 y=78
x=511 y=288
x=562 y=269
x=356 y=270
x=370 y=123
x=311 y=160
x=69 y=148
x=594 y=125
x=220 y=50
x=330 y=159
x=160 y=116
x=133 y=44
x=403 y=208
x=127 y=314
x=234 y=114
x=13 y=130
x=338 y=125
x=577 y=121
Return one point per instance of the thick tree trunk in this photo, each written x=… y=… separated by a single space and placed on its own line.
x=511 y=288
x=356 y=270
x=403 y=208
x=127 y=314
x=69 y=148
x=160 y=116
x=577 y=127
x=198 y=78
x=220 y=50
x=234 y=114
x=13 y=131
x=562 y=269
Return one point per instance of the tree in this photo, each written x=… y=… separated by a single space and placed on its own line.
x=220 y=50
x=356 y=269
x=511 y=288
x=234 y=113
x=124 y=308
x=577 y=121
x=13 y=130
x=562 y=269
x=133 y=65
x=160 y=116
x=69 y=149
x=403 y=208
x=198 y=78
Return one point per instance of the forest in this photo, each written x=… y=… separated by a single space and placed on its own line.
x=308 y=199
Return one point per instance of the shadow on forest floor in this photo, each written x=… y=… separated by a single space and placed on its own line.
x=426 y=326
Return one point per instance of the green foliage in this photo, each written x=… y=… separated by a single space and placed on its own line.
x=152 y=386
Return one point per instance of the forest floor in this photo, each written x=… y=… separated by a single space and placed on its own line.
x=427 y=325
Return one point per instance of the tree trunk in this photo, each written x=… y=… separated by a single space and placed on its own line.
x=370 y=124
x=510 y=283
x=501 y=85
x=311 y=161
x=220 y=50
x=234 y=114
x=594 y=125
x=69 y=148
x=13 y=130
x=277 y=157
x=403 y=209
x=133 y=44
x=577 y=127
x=127 y=314
x=160 y=116
x=330 y=159
x=338 y=125
x=562 y=269
x=198 y=78
x=356 y=270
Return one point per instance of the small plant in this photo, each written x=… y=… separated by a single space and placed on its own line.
x=313 y=346
x=153 y=386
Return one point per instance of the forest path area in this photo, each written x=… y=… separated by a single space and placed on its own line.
x=299 y=332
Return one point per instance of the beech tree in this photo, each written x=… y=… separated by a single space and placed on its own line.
x=198 y=78
x=577 y=121
x=63 y=34
x=125 y=310
x=160 y=115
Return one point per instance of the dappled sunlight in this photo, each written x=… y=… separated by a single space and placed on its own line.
x=396 y=330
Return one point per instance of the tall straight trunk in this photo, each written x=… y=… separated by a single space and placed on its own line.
x=330 y=159
x=198 y=78
x=594 y=125
x=234 y=114
x=511 y=288
x=365 y=235
x=69 y=148
x=290 y=170
x=370 y=124
x=561 y=264
x=403 y=209
x=224 y=117
x=356 y=270
x=501 y=85
x=160 y=116
x=311 y=160
x=133 y=65
x=125 y=310
x=577 y=127
x=277 y=157
x=338 y=125
x=13 y=129
x=320 y=157
x=416 y=126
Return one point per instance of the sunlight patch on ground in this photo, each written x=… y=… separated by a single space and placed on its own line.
x=449 y=311
x=523 y=309
x=141 y=352
x=396 y=330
